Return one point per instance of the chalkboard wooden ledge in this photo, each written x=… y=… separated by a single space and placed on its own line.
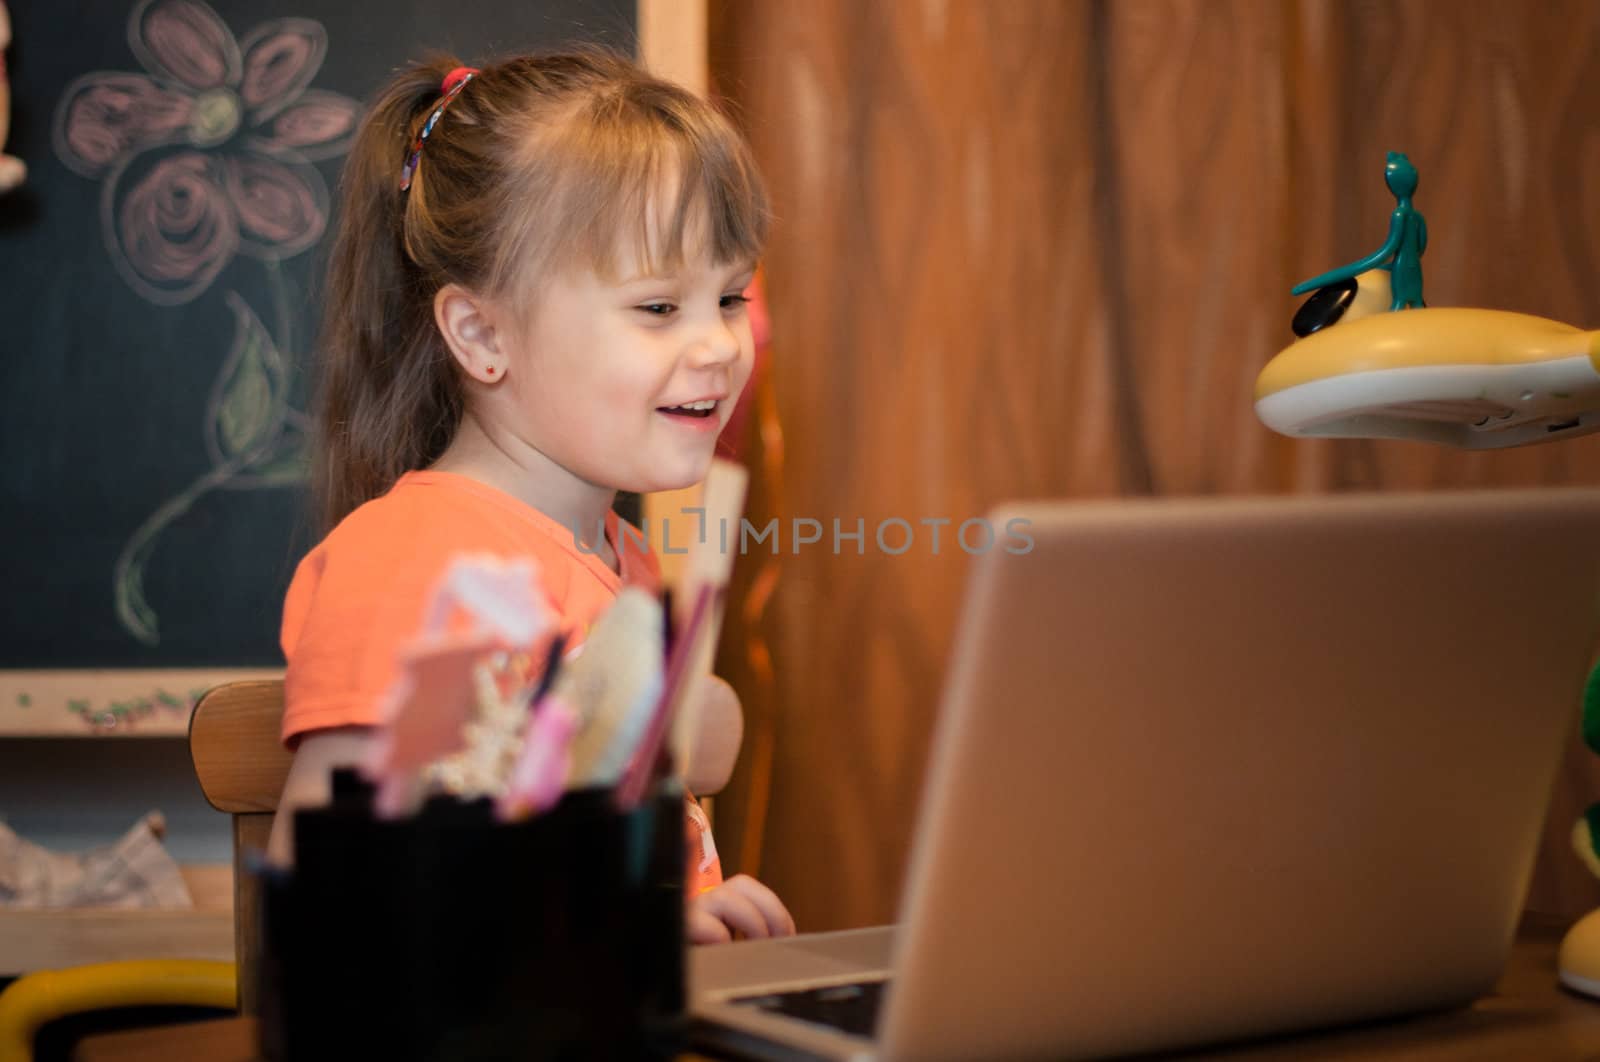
x=109 y=703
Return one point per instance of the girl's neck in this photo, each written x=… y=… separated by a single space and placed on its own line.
x=531 y=477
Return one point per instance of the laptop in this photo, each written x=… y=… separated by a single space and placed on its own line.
x=1211 y=769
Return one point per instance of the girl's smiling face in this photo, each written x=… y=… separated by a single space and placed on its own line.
x=627 y=383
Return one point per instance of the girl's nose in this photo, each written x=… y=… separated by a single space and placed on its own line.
x=719 y=344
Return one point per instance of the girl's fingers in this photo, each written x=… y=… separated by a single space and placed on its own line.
x=704 y=927
x=779 y=922
x=736 y=910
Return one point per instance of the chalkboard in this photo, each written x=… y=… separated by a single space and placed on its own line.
x=161 y=275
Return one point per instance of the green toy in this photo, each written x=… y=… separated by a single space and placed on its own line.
x=1579 y=961
x=1401 y=253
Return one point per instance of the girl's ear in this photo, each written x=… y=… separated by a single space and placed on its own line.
x=467 y=322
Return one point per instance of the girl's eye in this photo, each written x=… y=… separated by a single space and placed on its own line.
x=658 y=309
x=734 y=302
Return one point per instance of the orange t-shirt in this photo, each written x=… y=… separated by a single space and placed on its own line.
x=360 y=595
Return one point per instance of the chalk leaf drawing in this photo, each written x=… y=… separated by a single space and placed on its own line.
x=204 y=156
x=248 y=398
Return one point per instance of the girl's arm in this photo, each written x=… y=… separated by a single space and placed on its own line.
x=310 y=781
x=741 y=907
x=714 y=746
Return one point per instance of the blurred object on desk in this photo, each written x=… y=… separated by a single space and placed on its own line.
x=136 y=871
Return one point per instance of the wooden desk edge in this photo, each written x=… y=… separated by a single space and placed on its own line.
x=1527 y=993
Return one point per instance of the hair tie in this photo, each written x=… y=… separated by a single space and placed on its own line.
x=454 y=77
x=453 y=83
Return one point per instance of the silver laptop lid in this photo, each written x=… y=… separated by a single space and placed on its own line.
x=1209 y=768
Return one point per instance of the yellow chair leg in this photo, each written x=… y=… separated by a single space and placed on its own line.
x=34 y=1000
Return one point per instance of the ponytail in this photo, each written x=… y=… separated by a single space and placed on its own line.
x=390 y=398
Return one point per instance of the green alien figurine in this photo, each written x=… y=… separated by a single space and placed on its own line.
x=1579 y=958
x=1401 y=253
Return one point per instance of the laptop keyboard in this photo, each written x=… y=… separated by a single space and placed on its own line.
x=848 y=1008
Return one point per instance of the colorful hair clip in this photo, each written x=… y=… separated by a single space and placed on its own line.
x=454 y=82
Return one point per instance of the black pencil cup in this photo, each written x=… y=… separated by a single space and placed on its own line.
x=452 y=936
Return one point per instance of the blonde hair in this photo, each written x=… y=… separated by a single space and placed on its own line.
x=541 y=163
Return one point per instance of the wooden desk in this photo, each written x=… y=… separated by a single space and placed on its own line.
x=1527 y=1017
x=222 y=1040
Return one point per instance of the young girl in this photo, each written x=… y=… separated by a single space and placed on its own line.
x=535 y=300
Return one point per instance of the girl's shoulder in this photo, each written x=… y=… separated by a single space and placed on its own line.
x=378 y=517
x=384 y=560
x=402 y=541
x=437 y=510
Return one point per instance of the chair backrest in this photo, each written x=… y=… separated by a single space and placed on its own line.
x=241 y=763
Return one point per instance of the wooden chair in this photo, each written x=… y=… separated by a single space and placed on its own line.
x=241 y=763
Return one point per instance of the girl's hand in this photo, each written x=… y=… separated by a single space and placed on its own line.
x=740 y=907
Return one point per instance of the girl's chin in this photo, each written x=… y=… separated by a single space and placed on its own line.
x=676 y=478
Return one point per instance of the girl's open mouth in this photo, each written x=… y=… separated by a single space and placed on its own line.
x=697 y=410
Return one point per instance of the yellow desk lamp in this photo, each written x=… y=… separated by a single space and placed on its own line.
x=1469 y=378
x=1372 y=361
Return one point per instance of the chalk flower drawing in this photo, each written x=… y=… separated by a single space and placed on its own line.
x=205 y=156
